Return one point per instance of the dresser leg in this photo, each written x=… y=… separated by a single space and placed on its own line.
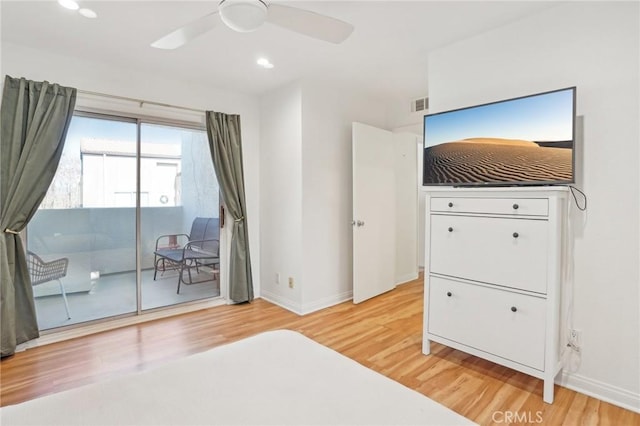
x=547 y=393
x=426 y=346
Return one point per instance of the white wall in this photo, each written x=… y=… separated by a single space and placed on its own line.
x=281 y=195
x=327 y=116
x=406 y=170
x=422 y=205
x=306 y=192
x=594 y=46
x=19 y=61
x=402 y=119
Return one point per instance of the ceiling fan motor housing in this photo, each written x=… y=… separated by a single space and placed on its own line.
x=243 y=15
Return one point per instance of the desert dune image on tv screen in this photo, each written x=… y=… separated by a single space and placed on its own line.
x=520 y=141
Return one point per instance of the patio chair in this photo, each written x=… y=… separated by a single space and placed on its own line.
x=42 y=272
x=200 y=249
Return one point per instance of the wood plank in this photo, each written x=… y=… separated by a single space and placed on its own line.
x=383 y=333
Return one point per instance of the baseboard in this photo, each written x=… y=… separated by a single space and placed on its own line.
x=326 y=302
x=306 y=308
x=600 y=390
x=407 y=278
x=99 y=326
x=283 y=302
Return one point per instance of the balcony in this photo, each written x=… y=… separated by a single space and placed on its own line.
x=100 y=244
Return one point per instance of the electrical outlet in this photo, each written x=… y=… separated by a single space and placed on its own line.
x=575 y=338
x=277 y=277
x=290 y=282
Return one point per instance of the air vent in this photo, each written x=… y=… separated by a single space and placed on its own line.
x=420 y=104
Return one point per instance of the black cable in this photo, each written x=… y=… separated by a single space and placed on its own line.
x=584 y=197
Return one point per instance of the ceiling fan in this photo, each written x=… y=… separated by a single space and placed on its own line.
x=249 y=15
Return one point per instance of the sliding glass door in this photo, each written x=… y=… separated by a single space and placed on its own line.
x=121 y=185
x=180 y=191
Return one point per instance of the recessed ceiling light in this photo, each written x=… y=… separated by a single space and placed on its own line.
x=69 y=4
x=264 y=63
x=88 y=13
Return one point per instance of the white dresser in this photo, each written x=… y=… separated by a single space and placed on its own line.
x=493 y=272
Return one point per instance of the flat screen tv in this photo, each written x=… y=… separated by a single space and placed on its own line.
x=521 y=141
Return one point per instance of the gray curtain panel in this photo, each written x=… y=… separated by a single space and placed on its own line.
x=34 y=119
x=225 y=143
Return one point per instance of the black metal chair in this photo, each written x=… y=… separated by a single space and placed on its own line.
x=42 y=272
x=184 y=253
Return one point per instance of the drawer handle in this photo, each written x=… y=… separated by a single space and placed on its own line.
x=516 y=235
x=514 y=309
x=450 y=204
x=450 y=229
x=449 y=294
x=516 y=207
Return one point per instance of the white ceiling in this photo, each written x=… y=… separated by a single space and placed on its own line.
x=386 y=55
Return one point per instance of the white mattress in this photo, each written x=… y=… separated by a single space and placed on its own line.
x=274 y=378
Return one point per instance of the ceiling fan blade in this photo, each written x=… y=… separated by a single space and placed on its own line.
x=187 y=33
x=309 y=23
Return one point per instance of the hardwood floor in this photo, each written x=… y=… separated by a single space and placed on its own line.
x=383 y=334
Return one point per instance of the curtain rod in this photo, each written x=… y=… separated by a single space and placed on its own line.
x=140 y=101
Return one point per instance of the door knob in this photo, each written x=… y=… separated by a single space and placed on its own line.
x=353 y=223
x=360 y=223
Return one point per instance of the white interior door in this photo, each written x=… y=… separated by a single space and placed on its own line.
x=374 y=241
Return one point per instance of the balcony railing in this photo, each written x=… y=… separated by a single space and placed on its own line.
x=100 y=244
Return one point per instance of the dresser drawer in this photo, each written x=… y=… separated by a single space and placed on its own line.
x=506 y=324
x=503 y=251
x=511 y=206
